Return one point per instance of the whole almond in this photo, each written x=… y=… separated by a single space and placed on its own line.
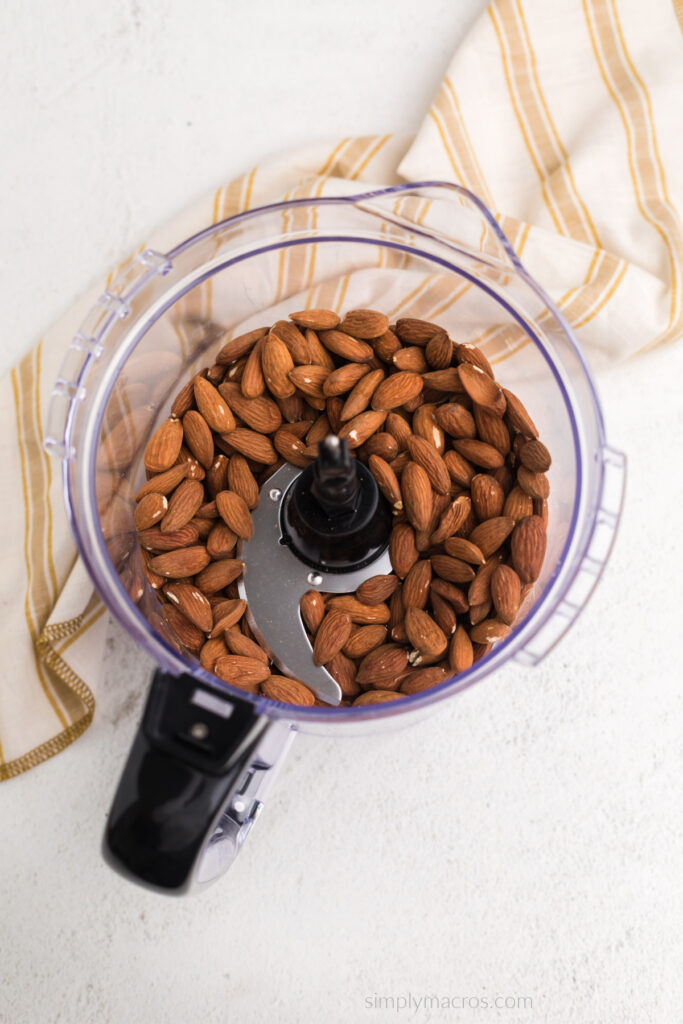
x=386 y=346
x=456 y=420
x=237 y=643
x=399 y=429
x=534 y=484
x=277 y=364
x=452 y=519
x=481 y=388
x=387 y=481
x=527 y=548
x=489 y=536
x=362 y=392
x=535 y=456
x=346 y=347
x=211 y=652
x=213 y=406
x=425 y=425
x=234 y=511
x=479 y=453
x=479 y=590
x=365 y=323
x=180 y=563
x=491 y=429
x=506 y=593
x=231 y=613
x=417 y=495
x=359 y=429
x=156 y=541
x=150 y=510
x=426 y=455
x=182 y=505
x=163 y=447
x=316 y=319
x=421 y=679
x=410 y=358
x=219 y=575
x=252 y=445
x=198 y=438
x=488 y=631
x=375 y=697
x=465 y=550
x=291 y=447
x=518 y=505
x=183 y=401
x=518 y=418
x=287 y=691
x=423 y=632
x=447 y=380
x=451 y=593
x=240 y=346
x=382 y=665
x=344 y=379
x=343 y=669
x=242 y=481
x=312 y=610
x=472 y=354
x=377 y=589
x=317 y=353
x=189 y=600
x=488 y=498
x=461 y=471
x=217 y=475
x=412 y=331
x=331 y=636
x=383 y=444
x=415 y=591
x=460 y=651
x=361 y=614
x=396 y=390
x=439 y=351
x=193 y=469
x=402 y=550
x=364 y=639
x=221 y=540
x=241 y=671
x=454 y=570
x=309 y=379
x=444 y=614
x=292 y=337
x=261 y=413
x=183 y=630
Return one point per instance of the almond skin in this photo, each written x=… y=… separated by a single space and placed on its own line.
x=287 y=691
x=163 y=447
x=162 y=483
x=488 y=631
x=213 y=406
x=332 y=634
x=237 y=643
x=439 y=351
x=527 y=548
x=220 y=541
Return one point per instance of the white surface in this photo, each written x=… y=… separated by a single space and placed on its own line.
x=524 y=841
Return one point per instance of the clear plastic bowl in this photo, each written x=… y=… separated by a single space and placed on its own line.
x=427 y=250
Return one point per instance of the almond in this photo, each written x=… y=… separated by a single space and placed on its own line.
x=213 y=406
x=217 y=475
x=506 y=593
x=346 y=347
x=482 y=388
x=465 y=550
x=425 y=425
x=460 y=655
x=287 y=691
x=535 y=456
x=240 y=346
x=415 y=591
x=444 y=614
x=402 y=550
x=277 y=364
x=309 y=379
x=382 y=444
x=534 y=484
x=417 y=495
x=252 y=445
x=518 y=505
x=343 y=670
x=426 y=456
x=252 y=382
x=241 y=671
x=361 y=614
x=452 y=519
x=472 y=354
x=344 y=379
x=242 y=481
x=423 y=679
x=316 y=319
x=449 y=592
x=237 y=643
x=375 y=697
x=359 y=429
x=517 y=416
x=412 y=331
x=231 y=613
x=423 y=633
x=399 y=430
x=456 y=420
x=382 y=665
x=292 y=337
x=443 y=380
x=387 y=482
x=291 y=447
x=360 y=396
x=183 y=630
x=377 y=589
x=332 y=634
x=261 y=414
x=198 y=438
x=234 y=511
x=479 y=590
x=364 y=639
x=490 y=535
x=386 y=346
x=163 y=447
x=410 y=358
x=454 y=570
x=488 y=631
x=189 y=600
x=365 y=323
x=155 y=540
x=180 y=563
x=397 y=390
x=183 y=401
x=527 y=548
x=479 y=453
x=150 y=510
x=219 y=575
x=461 y=471
x=439 y=351
x=182 y=506
x=221 y=540
x=488 y=498
x=211 y=652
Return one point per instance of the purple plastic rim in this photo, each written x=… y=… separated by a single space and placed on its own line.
x=169 y=658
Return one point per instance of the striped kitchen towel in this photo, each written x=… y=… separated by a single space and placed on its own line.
x=566 y=122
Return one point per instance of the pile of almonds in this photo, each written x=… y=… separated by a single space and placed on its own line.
x=456 y=456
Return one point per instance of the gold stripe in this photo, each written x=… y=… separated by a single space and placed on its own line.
x=250 y=185
x=457 y=130
x=27 y=528
x=627 y=101
x=374 y=150
x=678 y=11
x=82 y=629
x=48 y=474
x=326 y=170
x=447 y=146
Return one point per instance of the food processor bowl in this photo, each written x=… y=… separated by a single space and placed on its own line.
x=207 y=750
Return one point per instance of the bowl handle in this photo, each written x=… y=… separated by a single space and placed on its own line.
x=192 y=786
x=591 y=564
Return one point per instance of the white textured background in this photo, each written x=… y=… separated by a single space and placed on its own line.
x=527 y=840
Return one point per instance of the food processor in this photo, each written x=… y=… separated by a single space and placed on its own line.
x=206 y=752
